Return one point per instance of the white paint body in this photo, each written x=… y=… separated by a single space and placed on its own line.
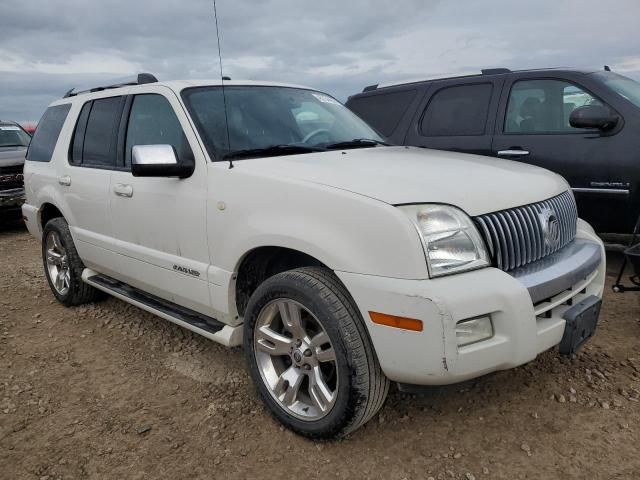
x=337 y=207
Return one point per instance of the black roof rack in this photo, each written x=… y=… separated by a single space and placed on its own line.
x=369 y=88
x=139 y=79
x=494 y=71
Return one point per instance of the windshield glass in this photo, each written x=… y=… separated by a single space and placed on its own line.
x=629 y=89
x=13 y=136
x=264 y=117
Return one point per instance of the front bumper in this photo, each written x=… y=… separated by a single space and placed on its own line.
x=523 y=328
x=12 y=198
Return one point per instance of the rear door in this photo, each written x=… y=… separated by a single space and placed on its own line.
x=84 y=181
x=457 y=115
x=533 y=127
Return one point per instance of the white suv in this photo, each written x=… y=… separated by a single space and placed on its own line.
x=270 y=216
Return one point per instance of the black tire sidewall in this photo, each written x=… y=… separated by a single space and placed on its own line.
x=282 y=286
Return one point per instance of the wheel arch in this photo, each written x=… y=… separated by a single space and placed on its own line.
x=261 y=263
x=46 y=212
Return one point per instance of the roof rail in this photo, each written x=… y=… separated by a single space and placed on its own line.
x=139 y=79
x=494 y=71
x=369 y=88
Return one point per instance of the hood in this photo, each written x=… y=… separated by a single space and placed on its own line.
x=402 y=175
x=10 y=156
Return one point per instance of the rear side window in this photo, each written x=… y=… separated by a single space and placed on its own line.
x=152 y=121
x=47 y=133
x=383 y=111
x=99 y=147
x=457 y=111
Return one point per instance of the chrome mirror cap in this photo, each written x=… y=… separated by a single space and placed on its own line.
x=153 y=155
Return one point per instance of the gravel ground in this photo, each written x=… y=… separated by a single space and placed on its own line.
x=109 y=391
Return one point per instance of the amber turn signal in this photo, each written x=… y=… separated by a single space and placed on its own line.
x=396 y=322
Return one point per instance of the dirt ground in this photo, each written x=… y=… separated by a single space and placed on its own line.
x=108 y=391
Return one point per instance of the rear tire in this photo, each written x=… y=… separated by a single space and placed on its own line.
x=319 y=389
x=63 y=266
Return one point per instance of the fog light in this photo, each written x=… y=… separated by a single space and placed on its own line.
x=473 y=330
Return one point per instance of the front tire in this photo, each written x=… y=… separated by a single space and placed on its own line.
x=310 y=356
x=63 y=266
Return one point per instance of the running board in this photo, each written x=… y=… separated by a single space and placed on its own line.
x=190 y=319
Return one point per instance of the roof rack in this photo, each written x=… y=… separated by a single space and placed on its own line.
x=140 y=79
x=494 y=71
x=485 y=71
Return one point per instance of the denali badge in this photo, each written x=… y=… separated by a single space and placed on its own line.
x=187 y=270
x=550 y=227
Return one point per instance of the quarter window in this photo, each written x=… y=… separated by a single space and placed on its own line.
x=457 y=111
x=544 y=106
x=383 y=111
x=152 y=121
x=46 y=136
x=77 y=143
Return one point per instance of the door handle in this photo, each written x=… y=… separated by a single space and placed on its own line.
x=64 y=180
x=122 y=190
x=513 y=153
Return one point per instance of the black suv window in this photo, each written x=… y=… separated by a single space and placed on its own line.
x=382 y=111
x=152 y=121
x=457 y=111
x=13 y=136
x=46 y=136
x=544 y=106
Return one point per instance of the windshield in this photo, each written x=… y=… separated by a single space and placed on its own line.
x=265 y=117
x=627 y=88
x=13 y=136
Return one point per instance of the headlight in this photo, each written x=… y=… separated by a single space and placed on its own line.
x=451 y=241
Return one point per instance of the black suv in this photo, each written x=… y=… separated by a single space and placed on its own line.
x=584 y=125
x=13 y=147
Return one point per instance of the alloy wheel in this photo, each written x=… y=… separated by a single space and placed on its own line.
x=57 y=263
x=296 y=359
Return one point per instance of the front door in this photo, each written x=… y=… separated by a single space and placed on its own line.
x=160 y=223
x=533 y=127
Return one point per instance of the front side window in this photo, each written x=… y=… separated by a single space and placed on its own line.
x=457 y=111
x=152 y=121
x=544 y=106
x=46 y=137
x=266 y=117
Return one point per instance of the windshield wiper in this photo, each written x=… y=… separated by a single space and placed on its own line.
x=272 y=151
x=356 y=143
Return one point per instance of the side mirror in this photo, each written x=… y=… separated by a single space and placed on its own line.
x=158 y=161
x=593 y=116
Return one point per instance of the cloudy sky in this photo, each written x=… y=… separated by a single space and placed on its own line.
x=47 y=47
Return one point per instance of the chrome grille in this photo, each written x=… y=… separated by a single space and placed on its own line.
x=525 y=234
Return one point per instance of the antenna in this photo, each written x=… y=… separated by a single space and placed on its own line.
x=222 y=79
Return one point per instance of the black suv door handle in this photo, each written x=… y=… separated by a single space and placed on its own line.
x=513 y=152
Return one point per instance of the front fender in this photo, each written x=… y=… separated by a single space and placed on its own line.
x=345 y=231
